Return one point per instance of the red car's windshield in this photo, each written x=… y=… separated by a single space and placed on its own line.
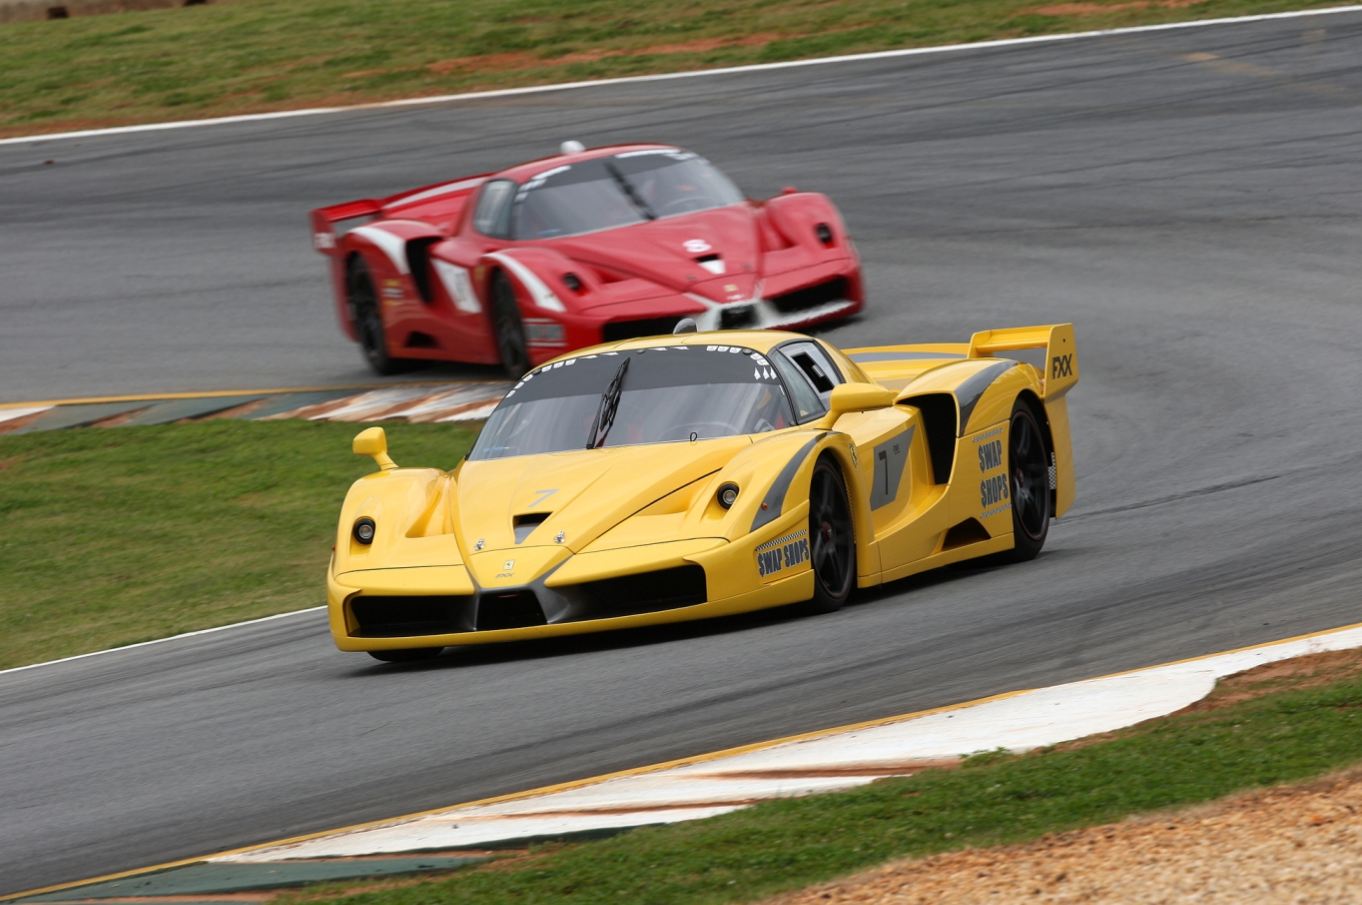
x=642 y=396
x=608 y=192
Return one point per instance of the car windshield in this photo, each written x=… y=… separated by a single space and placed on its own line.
x=616 y=191
x=651 y=395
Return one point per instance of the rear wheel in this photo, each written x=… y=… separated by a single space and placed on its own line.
x=508 y=328
x=368 y=320
x=410 y=655
x=832 y=542
x=1028 y=464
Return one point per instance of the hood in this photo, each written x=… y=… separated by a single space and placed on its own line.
x=517 y=506
x=705 y=252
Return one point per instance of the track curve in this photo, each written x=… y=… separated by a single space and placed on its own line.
x=1190 y=199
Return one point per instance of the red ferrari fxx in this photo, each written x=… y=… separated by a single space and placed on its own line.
x=585 y=247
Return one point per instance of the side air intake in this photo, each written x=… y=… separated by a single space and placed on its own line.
x=970 y=531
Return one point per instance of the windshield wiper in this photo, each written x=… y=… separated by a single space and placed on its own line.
x=610 y=404
x=630 y=192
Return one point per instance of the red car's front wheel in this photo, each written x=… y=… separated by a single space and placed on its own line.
x=509 y=329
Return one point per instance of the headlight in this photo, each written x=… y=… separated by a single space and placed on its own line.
x=364 y=530
x=728 y=495
x=824 y=233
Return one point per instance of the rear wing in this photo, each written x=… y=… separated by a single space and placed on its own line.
x=438 y=205
x=1059 y=370
x=324 y=220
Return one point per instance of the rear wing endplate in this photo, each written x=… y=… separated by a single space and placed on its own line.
x=324 y=220
x=1060 y=369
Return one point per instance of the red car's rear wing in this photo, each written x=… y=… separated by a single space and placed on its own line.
x=324 y=220
x=438 y=204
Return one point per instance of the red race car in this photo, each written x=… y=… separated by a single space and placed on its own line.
x=586 y=247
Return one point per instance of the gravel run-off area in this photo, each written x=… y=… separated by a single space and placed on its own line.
x=1296 y=844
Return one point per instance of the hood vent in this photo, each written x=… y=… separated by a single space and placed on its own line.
x=525 y=523
x=713 y=263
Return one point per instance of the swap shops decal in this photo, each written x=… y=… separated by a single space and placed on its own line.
x=993 y=491
x=783 y=553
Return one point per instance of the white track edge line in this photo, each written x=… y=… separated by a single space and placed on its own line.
x=693 y=73
x=202 y=631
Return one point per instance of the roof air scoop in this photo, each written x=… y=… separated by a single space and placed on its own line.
x=571 y=146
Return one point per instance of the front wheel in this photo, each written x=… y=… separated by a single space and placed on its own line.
x=832 y=540
x=509 y=328
x=1028 y=464
x=410 y=655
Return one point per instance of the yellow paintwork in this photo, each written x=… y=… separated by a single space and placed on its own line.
x=622 y=511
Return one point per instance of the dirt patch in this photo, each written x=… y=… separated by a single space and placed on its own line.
x=1289 y=844
x=519 y=59
x=1097 y=9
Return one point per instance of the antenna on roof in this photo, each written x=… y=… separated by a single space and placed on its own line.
x=685 y=325
x=571 y=146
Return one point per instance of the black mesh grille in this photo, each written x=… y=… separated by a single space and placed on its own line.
x=399 y=617
x=508 y=609
x=649 y=592
x=653 y=326
x=737 y=317
x=811 y=296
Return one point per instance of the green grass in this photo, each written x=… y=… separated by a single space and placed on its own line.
x=237 y=56
x=123 y=535
x=992 y=800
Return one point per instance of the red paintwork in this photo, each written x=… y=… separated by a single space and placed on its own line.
x=635 y=272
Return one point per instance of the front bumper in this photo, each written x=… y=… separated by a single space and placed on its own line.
x=826 y=292
x=441 y=606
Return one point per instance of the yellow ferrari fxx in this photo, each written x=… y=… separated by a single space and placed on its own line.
x=683 y=477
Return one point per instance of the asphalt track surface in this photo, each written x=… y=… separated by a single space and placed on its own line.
x=1190 y=199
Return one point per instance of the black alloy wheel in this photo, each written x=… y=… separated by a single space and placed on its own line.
x=368 y=320
x=409 y=655
x=1028 y=464
x=508 y=328
x=832 y=541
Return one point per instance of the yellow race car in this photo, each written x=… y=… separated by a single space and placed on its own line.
x=704 y=474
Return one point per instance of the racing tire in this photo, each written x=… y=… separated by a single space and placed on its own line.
x=832 y=539
x=508 y=328
x=368 y=320
x=1028 y=467
x=409 y=655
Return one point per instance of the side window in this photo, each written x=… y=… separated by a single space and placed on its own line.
x=807 y=404
x=492 y=216
x=815 y=365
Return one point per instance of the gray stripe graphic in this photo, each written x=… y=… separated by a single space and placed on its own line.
x=771 y=506
x=969 y=392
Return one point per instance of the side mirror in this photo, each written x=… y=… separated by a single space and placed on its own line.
x=859 y=397
x=373 y=441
